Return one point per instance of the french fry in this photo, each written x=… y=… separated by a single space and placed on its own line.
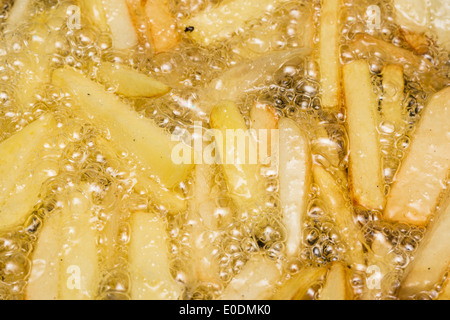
x=43 y=283
x=336 y=285
x=418 y=41
x=162 y=24
x=129 y=82
x=17 y=14
x=149 y=261
x=295 y=181
x=413 y=15
x=439 y=13
x=297 y=287
x=122 y=29
x=393 y=95
x=422 y=175
x=445 y=293
x=94 y=12
x=151 y=144
x=218 y=23
x=237 y=147
x=365 y=165
x=136 y=8
x=20 y=183
x=256 y=281
x=431 y=260
x=341 y=211
x=329 y=60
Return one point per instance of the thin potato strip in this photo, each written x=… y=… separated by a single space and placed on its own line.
x=422 y=176
x=94 y=12
x=445 y=293
x=296 y=288
x=365 y=165
x=17 y=14
x=393 y=95
x=336 y=285
x=119 y=20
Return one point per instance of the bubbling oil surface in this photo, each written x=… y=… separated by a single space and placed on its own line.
x=294 y=90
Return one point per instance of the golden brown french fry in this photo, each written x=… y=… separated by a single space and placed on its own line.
x=329 y=60
x=336 y=285
x=423 y=173
x=295 y=180
x=341 y=210
x=237 y=147
x=297 y=287
x=218 y=23
x=149 y=261
x=256 y=281
x=21 y=174
x=151 y=144
x=119 y=20
x=130 y=82
x=393 y=95
x=365 y=165
x=162 y=24
x=432 y=258
x=94 y=12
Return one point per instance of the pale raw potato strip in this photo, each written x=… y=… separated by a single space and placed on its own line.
x=218 y=23
x=423 y=173
x=17 y=14
x=43 y=283
x=412 y=14
x=256 y=281
x=141 y=136
x=19 y=186
x=149 y=262
x=329 y=61
x=295 y=181
x=341 y=210
x=445 y=294
x=336 y=285
x=296 y=288
x=162 y=24
x=129 y=82
x=439 y=12
x=432 y=258
x=94 y=12
x=365 y=165
x=393 y=95
x=80 y=271
x=240 y=174
x=122 y=29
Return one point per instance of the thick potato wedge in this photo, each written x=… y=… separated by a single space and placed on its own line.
x=94 y=12
x=295 y=181
x=151 y=144
x=119 y=20
x=432 y=259
x=218 y=23
x=365 y=165
x=129 y=82
x=336 y=285
x=256 y=281
x=20 y=182
x=329 y=62
x=236 y=147
x=149 y=261
x=297 y=287
x=341 y=210
x=423 y=173
x=162 y=25
x=393 y=95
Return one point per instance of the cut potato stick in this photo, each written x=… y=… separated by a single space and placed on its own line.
x=20 y=183
x=393 y=87
x=417 y=41
x=136 y=8
x=329 y=61
x=341 y=211
x=432 y=259
x=43 y=283
x=122 y=29
x=365 y=165
x=80 y=271
x=129 y=82
x=256 y=281
x=412 y=14
x=236 y=147
x=336 y=285
x=17 y=14
x=295 y=181
x=445 y=293
x=162 y=24
x=297 y=287
x=94 y=12
x=423 y=173
x=218 y=23
x=141 y=136
x=149 y=261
